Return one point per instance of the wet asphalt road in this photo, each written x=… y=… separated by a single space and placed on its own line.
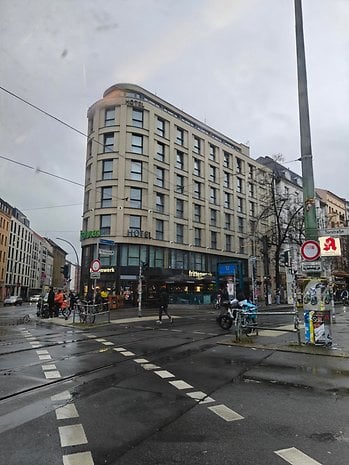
x=133 y=392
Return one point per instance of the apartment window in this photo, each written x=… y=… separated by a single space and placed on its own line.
x=105 y=225
x=137 y=143
x=107 y=169
x=226 y=180
x=159 y=230
x=228 y=242
x=239 y=185
x=179 y=136
x=89 y=149
x=160 y=177
x=213 y=173
x=179 y=183
x=136 y=170
x=197 y=237
x=227 y=221
x=197 y=190
x=109 y=117
x=212 y=153
x=251 y=189
x=106 y=194
x=227 y=200
x=135 y=197
x=213 y=195
x=137 y=118
x=88 y=174
x=108 y=142
x=179 y=233
x=90 y=125
x=86 y=202
x=135 y=222
x=251 y=170
x=213 y=217
x=160 y=202
x=197 y=213
x=160 y=127
x=160 y=151
x=213 y=240
x=240 y=205
x=241 y=245
x=179 y=208
x=179 y=160
x=241 y=225
x=197 y=167
x=226 y=159
x=238 y=165
x=197 y=145
x=252 y=208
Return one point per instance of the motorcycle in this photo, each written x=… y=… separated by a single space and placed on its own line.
x=242 y=313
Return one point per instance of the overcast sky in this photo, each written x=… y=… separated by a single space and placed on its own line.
x=229 y=63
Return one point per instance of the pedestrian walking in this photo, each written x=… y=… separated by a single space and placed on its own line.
x=59 y=298
x=50 y=302
x=164 y=301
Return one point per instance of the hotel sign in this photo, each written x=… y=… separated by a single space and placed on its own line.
x=139 y=233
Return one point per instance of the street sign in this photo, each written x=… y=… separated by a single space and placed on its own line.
x=106 y=242
x=310 y=250
x=95 y=265
x=106 y=252
x=312 y=267
x=334 y=232
x=95 y=274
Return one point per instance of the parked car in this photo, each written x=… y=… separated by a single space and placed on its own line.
x=35 y=298
x=13 y=300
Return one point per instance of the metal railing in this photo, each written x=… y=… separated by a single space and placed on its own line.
x=84 y=312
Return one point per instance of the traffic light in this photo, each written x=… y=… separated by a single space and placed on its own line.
x=65 y=271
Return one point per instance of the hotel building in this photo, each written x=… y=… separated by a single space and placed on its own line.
x=165 y=190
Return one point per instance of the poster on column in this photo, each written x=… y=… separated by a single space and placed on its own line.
x=317 y=312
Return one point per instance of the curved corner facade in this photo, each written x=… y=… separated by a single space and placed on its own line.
x=165 y=190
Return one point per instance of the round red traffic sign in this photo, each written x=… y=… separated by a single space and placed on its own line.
x=310 y=250
x=95 y=265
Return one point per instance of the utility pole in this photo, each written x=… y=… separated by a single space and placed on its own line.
x=310 y=223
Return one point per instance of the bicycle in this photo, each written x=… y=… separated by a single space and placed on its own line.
x=246 y=321
x=87 y=312
x=345 y=297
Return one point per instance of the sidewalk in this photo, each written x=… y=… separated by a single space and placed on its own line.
x=266 y=339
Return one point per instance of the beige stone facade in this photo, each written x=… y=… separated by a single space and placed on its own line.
x=165 y=188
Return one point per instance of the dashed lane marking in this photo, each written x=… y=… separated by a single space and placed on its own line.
x=65 y=395
x=54 y=374
x=119 y=349
x=106 y=343
x=180 y=384
x=42 y=352
x=150 y=366
x=164 y=374
x=81 y=458
x=141 y=360
x=72 y=435
x=49 y=367
x=127 y=353
x=200 y=397
x=45 y=357
x=296 y=457
x=67 y=411
x=101 y=340
x=226 y=413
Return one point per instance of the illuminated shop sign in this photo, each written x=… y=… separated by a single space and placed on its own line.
x=89 y=234
x=198 y=274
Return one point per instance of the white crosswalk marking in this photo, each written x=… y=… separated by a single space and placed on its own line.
x=180 y=384
x=164 y=374
x=296 y=457
x=200 y=397
x=64 y=395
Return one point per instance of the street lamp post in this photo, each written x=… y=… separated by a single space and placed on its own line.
x=77 y=261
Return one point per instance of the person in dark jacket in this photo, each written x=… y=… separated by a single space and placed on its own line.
x=164 y=301
x=51 y=301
